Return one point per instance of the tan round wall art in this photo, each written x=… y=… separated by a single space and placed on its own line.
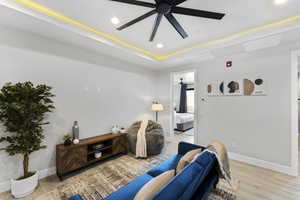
x=248 y=87
x=242 y=87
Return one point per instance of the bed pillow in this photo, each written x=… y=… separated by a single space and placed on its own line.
x=186 y=159
x=154 y=186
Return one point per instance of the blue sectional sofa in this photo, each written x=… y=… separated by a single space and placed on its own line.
x=194 y=182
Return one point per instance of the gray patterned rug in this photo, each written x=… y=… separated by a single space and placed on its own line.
x=98 y=182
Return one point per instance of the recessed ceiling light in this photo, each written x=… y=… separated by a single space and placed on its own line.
x=280 y=2
x=115 y=20
x=159 y=45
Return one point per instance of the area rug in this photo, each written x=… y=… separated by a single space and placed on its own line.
x=98 y=182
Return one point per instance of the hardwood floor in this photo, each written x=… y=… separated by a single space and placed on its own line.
x=179 y=136
x=258 y=183
x=255 y=183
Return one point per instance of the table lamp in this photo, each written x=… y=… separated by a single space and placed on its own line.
x=157 y=108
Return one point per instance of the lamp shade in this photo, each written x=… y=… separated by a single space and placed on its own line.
x=157 y=107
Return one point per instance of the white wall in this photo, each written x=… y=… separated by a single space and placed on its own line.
x=96 y=95
x=164 y=84
x=259 y=127
x=253 y=126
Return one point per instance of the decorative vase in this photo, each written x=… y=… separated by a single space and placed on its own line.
x=75 y=130
x=24 y=187
x=115 y=129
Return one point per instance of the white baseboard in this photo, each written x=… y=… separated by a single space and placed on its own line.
x=5 y=186
x=264 y=164
x=47 y=172
x=169 y=139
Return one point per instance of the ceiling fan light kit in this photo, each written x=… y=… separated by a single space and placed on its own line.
x=166 y=8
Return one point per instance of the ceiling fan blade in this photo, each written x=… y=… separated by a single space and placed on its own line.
x=198 y=13
x=173 y=2
x=176 y=25
x=155 y=27
x=177 y=2
x=148 y=14
x=138 y=3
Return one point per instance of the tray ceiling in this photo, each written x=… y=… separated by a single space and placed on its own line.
x=242 y=18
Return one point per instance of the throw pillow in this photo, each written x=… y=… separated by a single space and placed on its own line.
x=154 y=186
x=186 y=159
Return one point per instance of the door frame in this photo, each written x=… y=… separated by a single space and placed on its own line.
x=172 y=74
x=294 y=112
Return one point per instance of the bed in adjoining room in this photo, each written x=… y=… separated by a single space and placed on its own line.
x=184 y=121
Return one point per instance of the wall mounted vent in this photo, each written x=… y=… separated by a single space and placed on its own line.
x=262 y=43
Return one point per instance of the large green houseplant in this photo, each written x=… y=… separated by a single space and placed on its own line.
x=22 y=112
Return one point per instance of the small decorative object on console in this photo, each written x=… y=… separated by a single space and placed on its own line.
x=75 y=130
x=98 y=146
x=67 y=139
x=122 y=130
x=98 y=155
x=75 y=141
x=115 y=129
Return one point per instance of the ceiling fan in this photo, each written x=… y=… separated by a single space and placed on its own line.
x=167 y=8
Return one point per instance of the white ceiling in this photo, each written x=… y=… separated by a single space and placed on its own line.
x=241 y=15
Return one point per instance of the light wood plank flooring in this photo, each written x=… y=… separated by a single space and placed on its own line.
x=255 y=183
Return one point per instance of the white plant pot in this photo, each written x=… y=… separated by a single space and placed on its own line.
x=24 y=187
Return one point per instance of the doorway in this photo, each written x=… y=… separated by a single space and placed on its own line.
x=183 y=106
x=295 y=94
x=296 y=59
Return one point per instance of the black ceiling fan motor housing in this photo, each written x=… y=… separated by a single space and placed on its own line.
x=166 y=8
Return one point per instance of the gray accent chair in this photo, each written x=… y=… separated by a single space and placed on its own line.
x=154 y=137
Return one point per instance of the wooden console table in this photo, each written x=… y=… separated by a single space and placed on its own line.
x=77 y=156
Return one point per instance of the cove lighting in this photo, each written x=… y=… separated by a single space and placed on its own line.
x=279 y=2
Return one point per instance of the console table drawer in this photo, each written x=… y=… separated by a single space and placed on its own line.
x=71 y=159
x=120 y=145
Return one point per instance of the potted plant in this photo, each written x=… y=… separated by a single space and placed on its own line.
x=22 y=112
x=67 y=139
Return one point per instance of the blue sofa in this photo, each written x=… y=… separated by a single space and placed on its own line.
x=194 y=182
